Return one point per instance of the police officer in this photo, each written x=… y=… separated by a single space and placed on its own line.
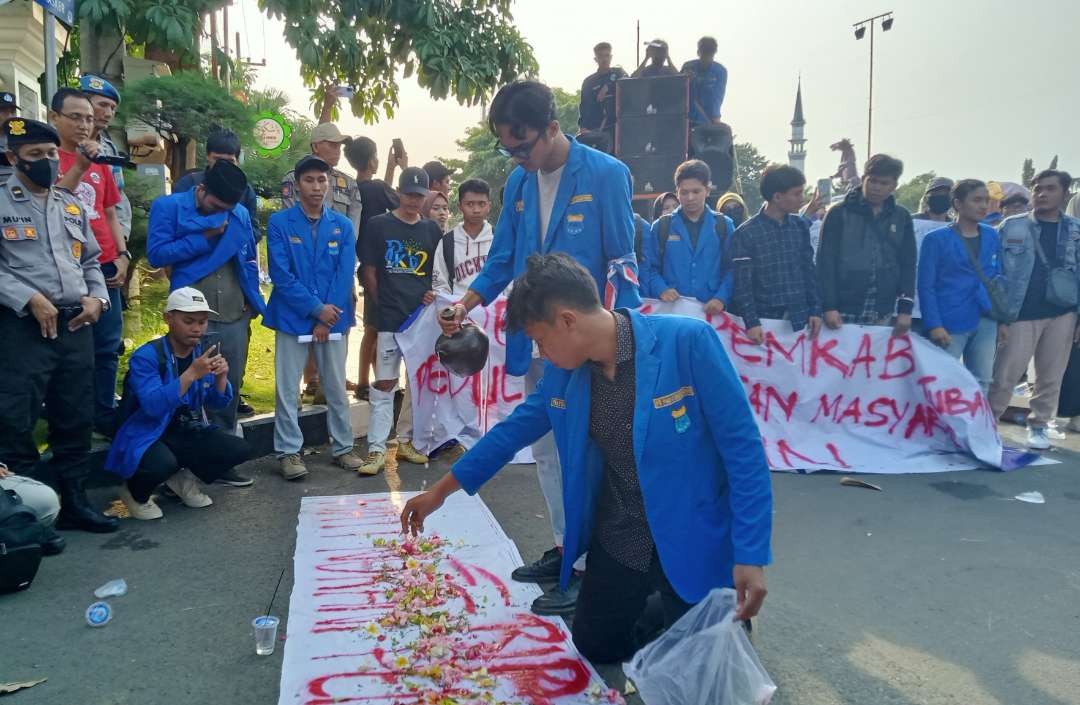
x=326 y=141
x=106 y=100
x=344 y=197
x=8 y=109
x=52 y=291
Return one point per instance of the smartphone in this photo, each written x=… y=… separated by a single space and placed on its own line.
x=211 y=340
x=399 y=147
x=824 y=189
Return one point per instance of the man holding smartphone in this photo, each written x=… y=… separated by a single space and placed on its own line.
x=206 y=237
x=165 y=435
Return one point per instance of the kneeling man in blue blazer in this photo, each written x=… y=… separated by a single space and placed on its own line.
x=665 y=481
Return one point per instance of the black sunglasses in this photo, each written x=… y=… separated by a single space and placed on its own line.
x=522 y=151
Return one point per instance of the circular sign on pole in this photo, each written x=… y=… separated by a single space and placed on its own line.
x=272 y=134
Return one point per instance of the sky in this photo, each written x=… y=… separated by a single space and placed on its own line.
x=963 y=88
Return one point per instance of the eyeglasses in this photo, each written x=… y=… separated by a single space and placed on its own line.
x=522 y=151
x=76 y=117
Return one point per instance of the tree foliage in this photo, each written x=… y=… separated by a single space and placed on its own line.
x=483 y=162
x=1027 y=173
x=184 y=108
x=459 y=48
x=910 y=194
x=751 y=165
x=169 y=24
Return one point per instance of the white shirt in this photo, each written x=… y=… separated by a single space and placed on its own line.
x=470 y=253
x=548 y=183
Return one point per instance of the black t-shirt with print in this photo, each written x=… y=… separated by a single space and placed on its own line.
x=402 y=255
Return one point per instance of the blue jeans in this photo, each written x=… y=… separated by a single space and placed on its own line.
x=108 y=332
x=977 y=348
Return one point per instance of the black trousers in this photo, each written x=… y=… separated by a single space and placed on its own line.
x=59 y=373
x=206 y=452
x=611 y=622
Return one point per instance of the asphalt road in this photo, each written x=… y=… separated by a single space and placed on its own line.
x=940 y=590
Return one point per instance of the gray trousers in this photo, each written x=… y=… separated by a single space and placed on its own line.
x=36 y=495
x=290 y=357
x=234 y=337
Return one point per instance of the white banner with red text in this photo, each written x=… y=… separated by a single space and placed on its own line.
x=856 y=399
x=377 y=617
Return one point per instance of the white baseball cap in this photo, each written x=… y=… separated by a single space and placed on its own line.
x=188 y=300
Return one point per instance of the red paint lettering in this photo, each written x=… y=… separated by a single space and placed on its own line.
x=827 y=408
x=864 y=357
x=823 y=353
x=901 y=355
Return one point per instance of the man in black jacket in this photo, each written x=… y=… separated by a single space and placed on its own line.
x=866 y=260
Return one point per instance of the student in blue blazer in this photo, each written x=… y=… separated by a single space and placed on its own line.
x=562 y=197
x=954 y=301
x=687 y=252
x=205 y=239
x=624 y=393
x=312 y=252
x=165 y=437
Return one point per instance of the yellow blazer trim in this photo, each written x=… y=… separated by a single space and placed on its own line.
x=558 y=403
x=581 y=198
x=673 y=398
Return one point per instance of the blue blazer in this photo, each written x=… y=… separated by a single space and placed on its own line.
x=701 y=273
x=950 y=291
x=702 y=467
x=591 y=221
x=159 y=398
x=175 y=239
x=309 y=273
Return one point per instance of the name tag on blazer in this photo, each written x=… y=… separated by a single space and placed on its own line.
x=674 y=398
x=557 y=403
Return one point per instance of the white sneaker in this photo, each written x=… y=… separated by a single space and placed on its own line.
x=140 y=510
x=186 y=487
x=1053 y=432
x=1037 y=438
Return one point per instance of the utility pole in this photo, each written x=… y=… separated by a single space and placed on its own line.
x=50 y=57
x=213 y=45
x=226 y=75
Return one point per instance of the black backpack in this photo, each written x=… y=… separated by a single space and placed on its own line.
x=448 y=256
x=21 y=534
x=719 y=225
x=129 y=401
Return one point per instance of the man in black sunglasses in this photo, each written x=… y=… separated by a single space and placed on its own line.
x=563 y=197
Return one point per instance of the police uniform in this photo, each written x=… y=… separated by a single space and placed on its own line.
x=47 y=247
x=95 y=85
x=344 y=195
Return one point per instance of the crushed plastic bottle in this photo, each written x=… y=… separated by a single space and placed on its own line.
x=113 y=588
x=98 y=614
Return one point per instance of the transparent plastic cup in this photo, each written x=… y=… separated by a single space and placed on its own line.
x=265 y=634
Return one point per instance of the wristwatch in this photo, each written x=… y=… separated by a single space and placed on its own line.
x=126 y=253
x=105 y=303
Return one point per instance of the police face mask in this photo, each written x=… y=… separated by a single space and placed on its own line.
x=938 y=203
x=42 y=172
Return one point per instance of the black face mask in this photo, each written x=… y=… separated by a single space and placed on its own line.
x=736 y=213
x=42 y=172
x=938 y=203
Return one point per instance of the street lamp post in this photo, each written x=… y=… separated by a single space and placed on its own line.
x=860 y=31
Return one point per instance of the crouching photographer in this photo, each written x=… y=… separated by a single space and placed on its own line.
x=165 y=436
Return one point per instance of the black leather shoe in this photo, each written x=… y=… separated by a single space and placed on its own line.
x=234 y=479
x=544 y=570
x=53 y=543
x=559 y=603
x=76 y=512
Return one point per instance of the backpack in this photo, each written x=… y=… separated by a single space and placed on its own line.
x=720 y=226
x=448 y=256
x=21 y=534
x=129 y=401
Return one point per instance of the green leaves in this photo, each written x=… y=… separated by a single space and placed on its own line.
x=463 y=48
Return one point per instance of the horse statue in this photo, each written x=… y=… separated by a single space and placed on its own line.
x=847 y=172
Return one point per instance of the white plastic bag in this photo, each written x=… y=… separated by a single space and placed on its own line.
x=704 y=659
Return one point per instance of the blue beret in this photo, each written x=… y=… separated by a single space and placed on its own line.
x=96 y=85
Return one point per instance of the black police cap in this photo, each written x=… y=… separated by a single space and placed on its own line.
x=20 y=131
x=310 y=163
x=226 y=182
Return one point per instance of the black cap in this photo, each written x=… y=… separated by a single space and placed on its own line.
x=310 y=163
x=7 y=100
x=413 y=180
x=225 y=181
x=436 y=171
x=20 y=131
